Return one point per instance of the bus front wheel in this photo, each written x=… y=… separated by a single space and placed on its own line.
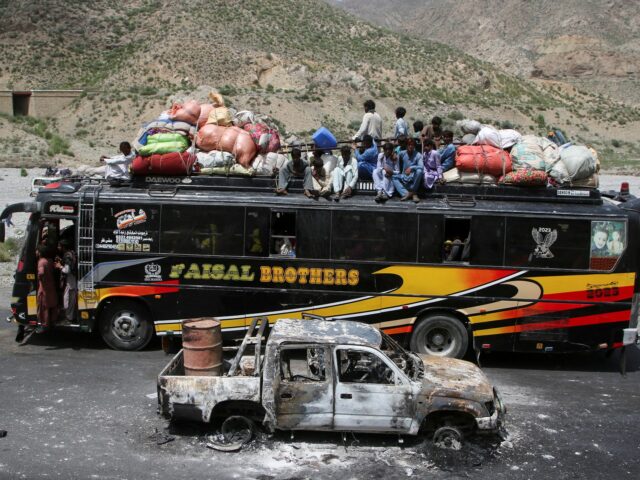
x=441 y=335
x=126 y=325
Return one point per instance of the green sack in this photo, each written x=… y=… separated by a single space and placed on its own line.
x=163 y=147
x=166 y=137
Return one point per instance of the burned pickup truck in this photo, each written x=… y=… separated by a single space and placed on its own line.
x=337 y=376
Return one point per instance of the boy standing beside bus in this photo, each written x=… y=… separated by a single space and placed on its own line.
x=47 y=297
x=67 y=266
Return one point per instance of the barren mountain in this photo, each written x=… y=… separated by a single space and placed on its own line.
x=302 y=61
x=591 y=44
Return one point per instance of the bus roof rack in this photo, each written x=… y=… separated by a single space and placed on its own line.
x=456 y=193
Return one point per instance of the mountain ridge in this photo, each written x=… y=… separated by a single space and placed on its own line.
x=304 y=62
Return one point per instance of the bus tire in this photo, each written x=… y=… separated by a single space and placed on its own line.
x=441 y=335
x=126 y=325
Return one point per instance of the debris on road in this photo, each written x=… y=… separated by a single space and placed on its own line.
x=161 y=438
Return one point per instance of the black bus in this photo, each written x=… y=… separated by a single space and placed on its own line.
x=498 y=268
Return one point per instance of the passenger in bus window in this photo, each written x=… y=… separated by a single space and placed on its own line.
x=345 y=175
x=408 y=182
x=448 y=151
x=47 y=296
x=67 y=265
x=295 y=168
x=367 y=156
x=432 y=165
x=455 y=252
x=287 y=247
x=256 y=242
x=387 y=166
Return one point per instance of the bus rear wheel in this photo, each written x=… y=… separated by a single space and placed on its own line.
x=126 y=325
x=441 y=335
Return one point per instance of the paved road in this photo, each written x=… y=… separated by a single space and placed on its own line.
x=75 y=409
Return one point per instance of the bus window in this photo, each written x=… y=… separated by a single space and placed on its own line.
x=457 y=243
x=126 y=227
x=283 y=234
x=205 y=230
x=546 y=242
x=430 y=241
x=487 y=240
x=313 y=233
x=377 y=236
x=256 y=242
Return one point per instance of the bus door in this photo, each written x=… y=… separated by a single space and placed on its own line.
x=25 y=276
x=59 y=224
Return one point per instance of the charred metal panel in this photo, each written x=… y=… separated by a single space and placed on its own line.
x=180 y=394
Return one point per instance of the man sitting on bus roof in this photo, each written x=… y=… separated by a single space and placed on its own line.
x=296 y=168
x=117 y=167
x=447 y=151
x=345 y=175
x=367 y=157
x=320 y=178
x=408 y=182
x=388 y=165
x=432 y=164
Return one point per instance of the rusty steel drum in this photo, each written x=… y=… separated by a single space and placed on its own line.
x=202 y=346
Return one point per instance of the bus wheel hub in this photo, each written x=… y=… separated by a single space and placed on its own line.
x=125 y=325
x=438 y=339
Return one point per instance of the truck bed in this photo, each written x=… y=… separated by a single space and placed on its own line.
x=194 y=397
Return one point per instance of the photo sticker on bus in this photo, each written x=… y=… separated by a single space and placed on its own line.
x=128 y=218
x=608 y=241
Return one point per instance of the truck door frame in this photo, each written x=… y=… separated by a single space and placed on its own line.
x=361 y=406
x=301 y=405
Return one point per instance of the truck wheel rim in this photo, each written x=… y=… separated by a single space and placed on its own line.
x=440 y=341
x=125 y=326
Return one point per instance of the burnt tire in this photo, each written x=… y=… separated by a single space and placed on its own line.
x=126 y=325
x=448 y=438
x=237 y=429
x=440 y=335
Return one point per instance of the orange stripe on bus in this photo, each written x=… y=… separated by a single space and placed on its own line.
x=612 y=317
x=395 y=331
x=141 y=290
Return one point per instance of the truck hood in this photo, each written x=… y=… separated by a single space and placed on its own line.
x=449 y=377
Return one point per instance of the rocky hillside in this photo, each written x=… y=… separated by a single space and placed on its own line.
x=302 y=61
x=591 y=44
